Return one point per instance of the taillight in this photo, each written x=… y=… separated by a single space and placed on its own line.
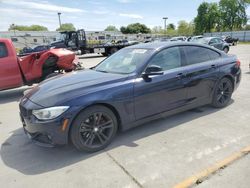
x=238 y=63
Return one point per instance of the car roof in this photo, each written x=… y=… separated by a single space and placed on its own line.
x=162 y=45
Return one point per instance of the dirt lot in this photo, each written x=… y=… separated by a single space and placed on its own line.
x=159 y=154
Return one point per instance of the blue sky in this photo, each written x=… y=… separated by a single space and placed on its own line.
x=96 y=14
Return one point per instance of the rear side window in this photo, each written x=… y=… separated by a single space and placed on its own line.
x=195 y=54
x=213 y=54
x=3 y=50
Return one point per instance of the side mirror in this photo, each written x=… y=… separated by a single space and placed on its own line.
x=152 y=70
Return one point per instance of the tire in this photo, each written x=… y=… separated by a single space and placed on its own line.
x=113 y=50
x=91 y=134
x=105 y=54
x=226 y=49
x=222 y=93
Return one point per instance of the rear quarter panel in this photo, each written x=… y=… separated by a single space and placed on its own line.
x=229 y=69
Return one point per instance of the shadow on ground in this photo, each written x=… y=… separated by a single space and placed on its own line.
x=12 y=95
x=19 y=153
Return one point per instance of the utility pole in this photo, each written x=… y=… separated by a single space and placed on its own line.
x=13 y=26
x=59 y=17
x=165 y=24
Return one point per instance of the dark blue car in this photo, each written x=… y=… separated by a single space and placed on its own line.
x=137 y=84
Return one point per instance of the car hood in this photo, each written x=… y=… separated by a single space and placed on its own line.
x=60 y=89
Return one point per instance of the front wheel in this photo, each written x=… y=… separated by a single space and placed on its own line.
x=93 y=129
x=222 y=93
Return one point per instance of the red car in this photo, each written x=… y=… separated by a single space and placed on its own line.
x=18 y=71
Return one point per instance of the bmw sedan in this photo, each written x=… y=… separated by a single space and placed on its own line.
x=136 y=84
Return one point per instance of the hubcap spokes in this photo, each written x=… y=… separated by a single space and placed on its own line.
x=96 y=130
x=224 y=92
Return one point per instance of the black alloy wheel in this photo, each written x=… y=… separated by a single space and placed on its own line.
x=223 y=93
x=94 y=129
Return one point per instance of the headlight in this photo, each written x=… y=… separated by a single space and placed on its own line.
x=49 y=113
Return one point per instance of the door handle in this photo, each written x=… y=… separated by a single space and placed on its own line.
x=213 y=66
x=180 y=75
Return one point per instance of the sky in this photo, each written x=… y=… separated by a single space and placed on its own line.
x=95 y=15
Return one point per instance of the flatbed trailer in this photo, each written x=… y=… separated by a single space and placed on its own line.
x=77 y=41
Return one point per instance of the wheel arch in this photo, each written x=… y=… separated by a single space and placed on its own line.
x=224 y=76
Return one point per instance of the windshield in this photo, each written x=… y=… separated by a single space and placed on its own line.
x=61 y=36
x=124 y=61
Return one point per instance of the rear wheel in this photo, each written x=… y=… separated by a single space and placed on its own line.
x=93 y=129
x=105 y=54
x=223 y=93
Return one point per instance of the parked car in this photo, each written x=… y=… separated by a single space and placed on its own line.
x=163 y=39
x=38 y=48
x=137 y=84
x=194 y=38
x=215 y=42
x=18 y=71
x=180 y=38
x=230 y=40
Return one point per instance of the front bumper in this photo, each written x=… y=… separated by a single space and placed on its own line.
x=43 y=133
x=47 y=134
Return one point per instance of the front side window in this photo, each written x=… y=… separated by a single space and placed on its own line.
x=167 y=59
x=219 y=40
x=3 y=50
x=213 y=41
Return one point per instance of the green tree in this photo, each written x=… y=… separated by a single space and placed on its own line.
x=123 y=29
x=207 y=17
x=157 y=30
x=111 y=28
x=247 y=27
x=233 y=14
x=66 y=27
x=183 y=27
x=135 y=28
x=38 y=28
x=27 y=28
x=171 y=26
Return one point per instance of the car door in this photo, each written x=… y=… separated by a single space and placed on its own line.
x=10 y=75
x=202 y=72
x=217 y=43
x=161 y=92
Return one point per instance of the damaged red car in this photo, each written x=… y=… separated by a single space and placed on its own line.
x=18 y=71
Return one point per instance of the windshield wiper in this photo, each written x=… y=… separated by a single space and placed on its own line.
x=101 y=71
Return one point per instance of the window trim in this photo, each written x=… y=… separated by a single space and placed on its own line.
x=7 y=52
